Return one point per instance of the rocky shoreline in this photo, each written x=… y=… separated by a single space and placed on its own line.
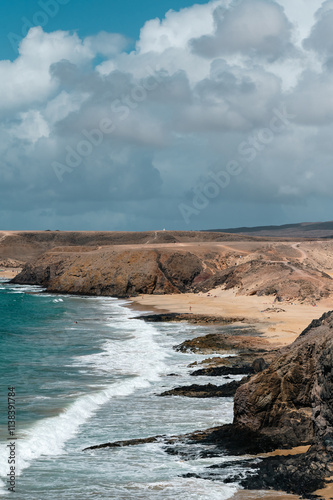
x=284 y=402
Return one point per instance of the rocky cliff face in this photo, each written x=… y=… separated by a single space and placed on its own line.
x=291 y=402
x=116 y=273
x=129 y=269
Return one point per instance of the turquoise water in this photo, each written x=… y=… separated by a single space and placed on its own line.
x=87 y=372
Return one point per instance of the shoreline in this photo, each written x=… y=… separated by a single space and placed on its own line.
x=264 y=495
x=275 y=328
x=9 y=272
x=279 y=323
x=280 y=326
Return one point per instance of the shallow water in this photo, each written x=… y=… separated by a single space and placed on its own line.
x=86 y=373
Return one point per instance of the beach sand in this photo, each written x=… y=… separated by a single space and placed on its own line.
x=281 y=324
x=9 y=272
x=264 y=495
x=327 y=492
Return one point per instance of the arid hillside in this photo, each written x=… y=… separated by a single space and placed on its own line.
x=26 y=245
x=286 y=270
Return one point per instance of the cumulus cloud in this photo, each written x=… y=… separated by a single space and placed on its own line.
x=95 y=137
x=177 y=28
x=27 y=80
x=321 y=36
x=257 y=28
x=106 y=44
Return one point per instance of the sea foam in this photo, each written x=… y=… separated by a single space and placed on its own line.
x=139 y=355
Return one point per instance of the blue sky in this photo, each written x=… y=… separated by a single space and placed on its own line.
x=87 y=17
x=165 y=114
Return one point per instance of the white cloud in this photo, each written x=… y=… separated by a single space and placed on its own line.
x=201 y=82
x=63 y=105
x=106 y=44
x=177 y=28
x=258 y=28
x=32 y=127
x=27 y=80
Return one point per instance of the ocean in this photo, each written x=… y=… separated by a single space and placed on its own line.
x=86 y=372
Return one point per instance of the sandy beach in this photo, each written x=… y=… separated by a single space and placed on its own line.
x=9 y=272
x=280 y=322
x=264 y=495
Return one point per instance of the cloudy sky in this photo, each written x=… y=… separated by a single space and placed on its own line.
x=174 y=115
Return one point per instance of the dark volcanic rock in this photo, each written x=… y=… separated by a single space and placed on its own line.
x=241 y=341
x=206 y=391
x=190 y=318
x=300 y=474
x=292 y=400
x=233 y=440
x=220 y=371
x=234 y=365
x=128 y=442
x=289 y=404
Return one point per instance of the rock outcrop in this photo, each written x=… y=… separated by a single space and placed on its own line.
x=118 y=273
x=196 y=319
x=292 y=400
x=123 y=264
x=206 y=390
x=243 y=341
x=236 y=365
x=288 y=405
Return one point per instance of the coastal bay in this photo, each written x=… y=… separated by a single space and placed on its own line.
x=257 y=298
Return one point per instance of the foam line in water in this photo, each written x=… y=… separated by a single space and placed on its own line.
x=129 y=357
x=186 y=488
x=49 y=436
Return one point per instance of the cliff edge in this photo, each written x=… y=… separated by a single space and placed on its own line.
x=291 y=402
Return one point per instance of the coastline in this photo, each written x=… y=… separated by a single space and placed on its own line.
x=279 y=323
x=280 y=326
x=265 y=495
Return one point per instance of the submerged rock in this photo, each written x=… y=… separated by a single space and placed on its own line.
x=128 y=442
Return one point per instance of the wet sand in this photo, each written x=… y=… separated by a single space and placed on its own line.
x=264 y=495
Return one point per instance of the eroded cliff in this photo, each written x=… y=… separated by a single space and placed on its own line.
x=119 y=273
x=291 y=401
x=251 y=268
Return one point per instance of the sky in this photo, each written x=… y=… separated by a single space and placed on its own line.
x=169 y=114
